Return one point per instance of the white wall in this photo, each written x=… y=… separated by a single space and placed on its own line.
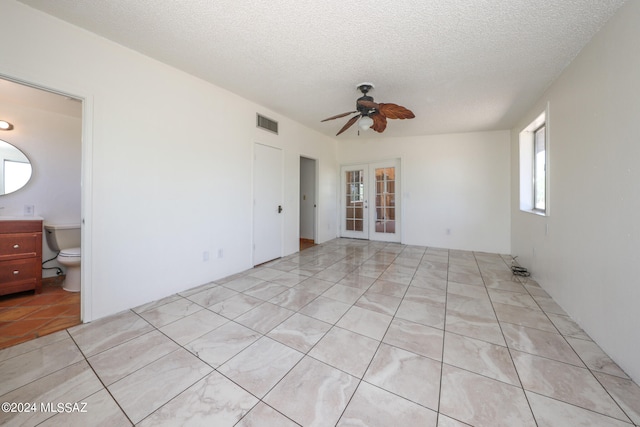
x=52 y=143
x=168 y=163
x=455 y=182
x=588 y=261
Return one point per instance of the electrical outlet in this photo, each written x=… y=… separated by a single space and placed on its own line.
x=448 y=231
x=220 y=253
x=29 y=210
x=205 y=256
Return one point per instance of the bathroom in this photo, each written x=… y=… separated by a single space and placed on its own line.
x=47 y=128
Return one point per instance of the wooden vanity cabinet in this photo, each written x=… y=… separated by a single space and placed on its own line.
x=20 y=256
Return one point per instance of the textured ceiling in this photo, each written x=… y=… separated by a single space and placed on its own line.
x=460 y=65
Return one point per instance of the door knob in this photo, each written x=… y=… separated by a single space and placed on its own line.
x=279 y=208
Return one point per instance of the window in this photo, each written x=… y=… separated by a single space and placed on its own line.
x=539 y=168
x=16 y=175
x=533 y=167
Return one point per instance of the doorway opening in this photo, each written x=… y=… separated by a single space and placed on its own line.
x=308 y=217
x=44 y=119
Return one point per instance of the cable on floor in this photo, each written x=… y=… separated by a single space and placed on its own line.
x=518 y=270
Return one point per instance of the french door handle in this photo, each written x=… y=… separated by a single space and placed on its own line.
x=279 y=208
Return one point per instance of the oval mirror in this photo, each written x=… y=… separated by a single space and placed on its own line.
x=15 y=168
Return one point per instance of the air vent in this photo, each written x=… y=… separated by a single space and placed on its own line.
x=267 y=124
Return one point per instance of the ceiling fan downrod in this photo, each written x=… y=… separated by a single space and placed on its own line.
x=364 y=88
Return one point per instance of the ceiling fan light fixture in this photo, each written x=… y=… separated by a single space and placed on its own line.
x=365 y=122
x=4 y=125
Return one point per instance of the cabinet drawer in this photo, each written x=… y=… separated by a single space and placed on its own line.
x=22 y=226
x=16 y=245
x=18 y=270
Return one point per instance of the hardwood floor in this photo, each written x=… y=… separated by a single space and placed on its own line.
x=306 y=243
x=25 y=315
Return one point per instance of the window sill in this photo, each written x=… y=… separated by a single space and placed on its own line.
x=534 y=212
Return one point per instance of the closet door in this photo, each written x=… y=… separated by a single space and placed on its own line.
x=267 y=203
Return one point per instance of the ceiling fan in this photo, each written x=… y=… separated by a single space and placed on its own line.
x=371 y=114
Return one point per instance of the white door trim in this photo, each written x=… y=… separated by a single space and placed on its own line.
x=86 y=195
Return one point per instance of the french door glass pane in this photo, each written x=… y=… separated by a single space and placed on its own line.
x=355 y=186
x=385 y=200
x=354 y=225
x=354 y=200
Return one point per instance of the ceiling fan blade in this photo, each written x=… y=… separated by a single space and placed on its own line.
x=368 y=104
x=379 y=122
x=395 y=111
x=351 y=121
x=338 y=116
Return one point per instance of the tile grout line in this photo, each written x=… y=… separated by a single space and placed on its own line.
x=507 y=344
x=549 y=358
x=586 y=366
x=444 y=333
x=482 y=273
x=86 y=359
x=361 y=380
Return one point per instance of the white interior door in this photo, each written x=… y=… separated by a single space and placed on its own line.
x=267 y=203
x=370 y=207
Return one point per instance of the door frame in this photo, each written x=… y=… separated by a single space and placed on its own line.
x=315 y=196
x=86 y=175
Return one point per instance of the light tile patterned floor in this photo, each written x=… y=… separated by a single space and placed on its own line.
x=348 y=333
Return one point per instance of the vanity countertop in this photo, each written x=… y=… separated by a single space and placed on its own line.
x=20 y=218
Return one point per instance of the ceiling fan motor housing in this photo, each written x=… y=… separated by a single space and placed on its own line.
x=365 y=111
x=365 y=87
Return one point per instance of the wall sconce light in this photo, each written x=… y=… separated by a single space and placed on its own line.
x=4 y=125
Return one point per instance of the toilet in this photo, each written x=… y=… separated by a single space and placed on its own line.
x=65 y=239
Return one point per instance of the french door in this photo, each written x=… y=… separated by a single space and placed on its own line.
x=370 y=207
